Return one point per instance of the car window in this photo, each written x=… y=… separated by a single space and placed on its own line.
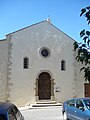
x=11 y=114
x=16 y=112
x=87 y=103
x=79 y=104
x=71 y=103
x=2 y=117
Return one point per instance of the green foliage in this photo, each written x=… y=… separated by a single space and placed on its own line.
x=83 y=48
x=86 y=13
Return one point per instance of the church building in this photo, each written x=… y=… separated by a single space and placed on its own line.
x=37 y=63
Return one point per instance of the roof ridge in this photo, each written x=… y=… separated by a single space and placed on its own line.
x=27 y=27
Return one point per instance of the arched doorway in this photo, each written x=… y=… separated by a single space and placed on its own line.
x=44 y=86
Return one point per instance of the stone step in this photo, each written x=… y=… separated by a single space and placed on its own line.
x=46 y=104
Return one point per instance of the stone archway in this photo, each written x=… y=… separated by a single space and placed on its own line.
x=44 y=86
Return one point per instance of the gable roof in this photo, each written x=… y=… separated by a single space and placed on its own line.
x=40 y=23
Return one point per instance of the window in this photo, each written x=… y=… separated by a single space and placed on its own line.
x=14 y=113
x=63 y=65
x=79 y=104
x=26 y=63
x=45 y=52
x=87 y=103
x=71 y=103
x=11 y=115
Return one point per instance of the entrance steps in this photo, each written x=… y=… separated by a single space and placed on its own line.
x=43 y=103
x=40 y=105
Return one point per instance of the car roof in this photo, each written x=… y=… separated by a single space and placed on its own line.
x=86 y=98
x=4 y=106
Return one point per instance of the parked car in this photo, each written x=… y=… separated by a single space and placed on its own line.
x=76 y=109
x=9 y=111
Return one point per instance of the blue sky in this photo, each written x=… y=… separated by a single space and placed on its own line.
x=64 y=14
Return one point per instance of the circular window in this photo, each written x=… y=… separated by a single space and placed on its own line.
x=45 y=52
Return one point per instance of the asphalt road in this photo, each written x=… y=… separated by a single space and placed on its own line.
x=43 y=113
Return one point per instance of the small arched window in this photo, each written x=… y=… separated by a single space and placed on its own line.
x=63 y=65
x=26 y=63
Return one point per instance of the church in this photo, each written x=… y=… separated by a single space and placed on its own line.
x=37 y=63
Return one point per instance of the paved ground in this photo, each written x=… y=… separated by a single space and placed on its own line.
x=43 y=113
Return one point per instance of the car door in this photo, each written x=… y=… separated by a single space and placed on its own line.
x=80 y=112
x=70 y=109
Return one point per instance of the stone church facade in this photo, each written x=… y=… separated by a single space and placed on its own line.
x=38 y=64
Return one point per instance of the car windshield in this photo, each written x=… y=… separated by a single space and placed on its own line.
x=87 y=103
x=2 y=117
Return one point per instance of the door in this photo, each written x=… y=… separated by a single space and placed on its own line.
x=44 y=86
x=87 y=89
x=80 y=112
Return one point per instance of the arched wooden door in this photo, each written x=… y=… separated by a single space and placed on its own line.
x=44 y=86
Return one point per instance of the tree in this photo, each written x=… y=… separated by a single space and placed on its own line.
x=83 y=48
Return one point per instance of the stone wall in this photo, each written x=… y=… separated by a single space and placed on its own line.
x=3 y=69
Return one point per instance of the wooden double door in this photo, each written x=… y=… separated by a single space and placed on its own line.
x=44 y=86
x=87 y=89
